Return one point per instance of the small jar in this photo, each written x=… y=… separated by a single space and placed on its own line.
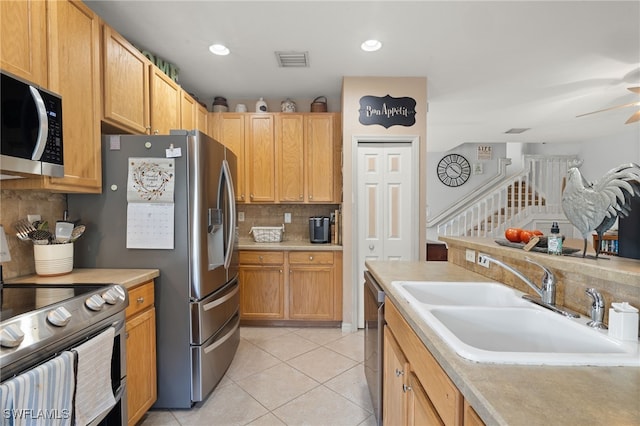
x=220 y=104
x=261 y=105
x=288 y=106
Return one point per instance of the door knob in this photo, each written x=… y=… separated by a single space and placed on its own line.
x=371 y=247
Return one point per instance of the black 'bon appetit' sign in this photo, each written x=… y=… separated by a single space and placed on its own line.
x=387 y=111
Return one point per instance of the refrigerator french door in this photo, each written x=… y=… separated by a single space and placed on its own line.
x=168 y=203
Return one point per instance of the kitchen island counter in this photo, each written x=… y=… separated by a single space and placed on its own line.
x=517 y=394
x=128 y=278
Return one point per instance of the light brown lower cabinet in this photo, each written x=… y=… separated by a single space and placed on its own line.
x=416 y=390
x=286 y=286
x=141 y=352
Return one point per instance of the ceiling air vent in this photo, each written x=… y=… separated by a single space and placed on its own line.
x=517 y=130
x=293 y=59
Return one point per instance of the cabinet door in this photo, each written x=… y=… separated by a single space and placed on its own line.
x=320 y=157
x=202 y=122
x=395 y=369
x=125 y=84
x=290 y=146
x=165 y=103
x=74 y=73
x=187 y=111
x=141 y=364
x=260 y=158
x=261 y=292
x=471 y=418
x=311 y=292
x=23 y=39
x=420 y=409
x=229 y=129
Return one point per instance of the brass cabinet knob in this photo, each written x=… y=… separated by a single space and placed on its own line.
x=140 y=299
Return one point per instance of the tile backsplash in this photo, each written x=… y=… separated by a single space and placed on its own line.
x=15 y=205
x=273 y=215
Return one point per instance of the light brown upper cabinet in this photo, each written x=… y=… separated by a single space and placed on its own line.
x=165 y=103
x=283 y=157
x=187 y=111
x=290 y=147
x=229 y=129
x=308 y=157
x=74 y=73
x=125 y=84
x=322 y=157
x=260 y=158
x=202 y=118
x=23 y=39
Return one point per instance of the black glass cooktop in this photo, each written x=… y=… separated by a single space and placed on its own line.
x=17 y=299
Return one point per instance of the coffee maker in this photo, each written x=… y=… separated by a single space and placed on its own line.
x=319 y=229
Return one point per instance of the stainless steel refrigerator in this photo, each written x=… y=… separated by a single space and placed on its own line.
x=168 y=203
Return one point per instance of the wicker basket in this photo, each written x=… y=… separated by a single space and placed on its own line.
x=267 y=234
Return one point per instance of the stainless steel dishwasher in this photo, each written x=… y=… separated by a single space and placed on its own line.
x=373 y=340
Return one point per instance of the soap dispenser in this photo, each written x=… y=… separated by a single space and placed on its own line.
x=554 y=240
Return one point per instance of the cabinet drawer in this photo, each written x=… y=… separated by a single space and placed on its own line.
x=140 y=298
x=311 y=257
x=262 y=257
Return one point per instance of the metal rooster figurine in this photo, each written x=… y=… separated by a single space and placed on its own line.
x=596 y=206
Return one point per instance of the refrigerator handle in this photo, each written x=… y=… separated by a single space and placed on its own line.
x=226 y=171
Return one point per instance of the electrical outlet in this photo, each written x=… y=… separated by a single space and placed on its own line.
x=287 y=218
x=482 y=260
x=240 y=216
x=471 y=256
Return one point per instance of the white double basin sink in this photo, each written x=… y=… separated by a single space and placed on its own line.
x=490 y=322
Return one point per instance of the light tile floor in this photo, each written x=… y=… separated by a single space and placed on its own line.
x=285 y=376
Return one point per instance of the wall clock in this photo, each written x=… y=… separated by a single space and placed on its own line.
x=454 y=170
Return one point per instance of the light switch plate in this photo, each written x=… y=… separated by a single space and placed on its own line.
x=287 y=218
x=470 y=255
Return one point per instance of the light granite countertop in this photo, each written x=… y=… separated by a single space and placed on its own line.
x=294 y=245
x=518 y=394
x=128 y=278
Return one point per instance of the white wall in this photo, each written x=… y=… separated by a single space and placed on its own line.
x=598 y=155
x=440 y=196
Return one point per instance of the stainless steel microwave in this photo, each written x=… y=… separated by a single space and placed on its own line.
x=31 y=132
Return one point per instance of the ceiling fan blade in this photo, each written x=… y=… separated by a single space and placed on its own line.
x=609 y=109
x=635 y=117
x=634 y=89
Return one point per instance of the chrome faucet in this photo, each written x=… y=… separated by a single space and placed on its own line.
x=546 y=292
x=597 y=309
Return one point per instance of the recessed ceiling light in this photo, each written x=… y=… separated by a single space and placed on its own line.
x=371 y=45
x=219 y=49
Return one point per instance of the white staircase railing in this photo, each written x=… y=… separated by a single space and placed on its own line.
x=535 y=192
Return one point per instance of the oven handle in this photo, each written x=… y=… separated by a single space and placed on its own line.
x=223 y=339
x=221 y=300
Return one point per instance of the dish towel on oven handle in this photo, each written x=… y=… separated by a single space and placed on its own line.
x=42 y=396
x=94 y=394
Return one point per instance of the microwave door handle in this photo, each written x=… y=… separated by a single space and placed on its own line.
x=232 y=211
x=43 y=131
